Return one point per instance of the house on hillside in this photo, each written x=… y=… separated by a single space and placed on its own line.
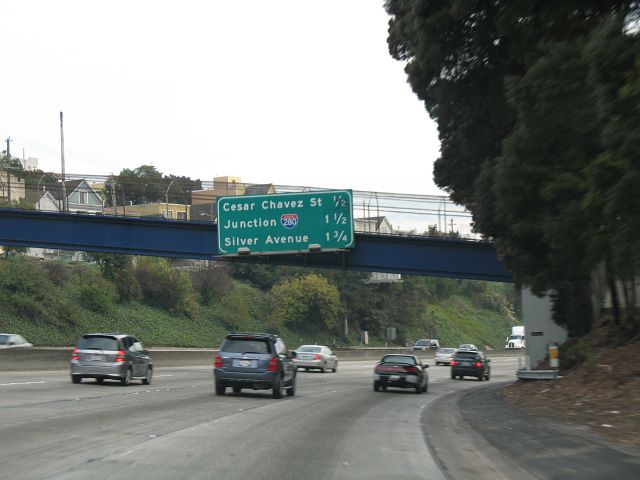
x=81 y=197
x=373 y=225
x=43 y=200
x=203 y=202
x=11 y=187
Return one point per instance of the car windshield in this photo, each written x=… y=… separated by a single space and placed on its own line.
x=399 y=359
x=98 y=343
x=309 y=348
x=243 y=345
x=446 y=350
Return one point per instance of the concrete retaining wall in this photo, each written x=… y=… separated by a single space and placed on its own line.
x=38 y=358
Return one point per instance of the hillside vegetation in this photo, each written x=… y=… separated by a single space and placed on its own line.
x=53 y=303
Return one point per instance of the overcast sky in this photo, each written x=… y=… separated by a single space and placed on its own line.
x=285 y=92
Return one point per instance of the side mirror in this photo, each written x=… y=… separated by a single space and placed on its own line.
x=426 y=365
x=292 y=354
x=488 y=360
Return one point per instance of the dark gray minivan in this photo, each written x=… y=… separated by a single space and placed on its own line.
x=111 y=356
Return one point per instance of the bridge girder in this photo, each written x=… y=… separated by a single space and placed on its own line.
x=198 y=240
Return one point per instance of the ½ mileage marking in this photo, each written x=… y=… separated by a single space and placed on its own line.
x=338 y=219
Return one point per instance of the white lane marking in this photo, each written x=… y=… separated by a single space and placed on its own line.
x=19 y=383
x=126 y=453
x=164 y=375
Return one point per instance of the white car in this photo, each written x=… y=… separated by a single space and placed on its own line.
x=444 y=355
x=11 y=340
x=315 y=357
x=469 y=347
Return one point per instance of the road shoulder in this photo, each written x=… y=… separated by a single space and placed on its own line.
x=500 y=441
x=460 y=451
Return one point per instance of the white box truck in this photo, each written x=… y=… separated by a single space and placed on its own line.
x=516 y=339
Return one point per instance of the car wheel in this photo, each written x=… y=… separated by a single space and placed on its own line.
x=487 y=376
x=306 y=369
x=481 y=377
x=418 y=389
x=276 y=391
x=76 y=378
x=126 y=380
x=376 y=387
x=425 y=389
x=237 y=389
x=220 y=389
x=147 y=379
x=335 y=367
x=291 y=390
x=453 y=377
x=99 y=380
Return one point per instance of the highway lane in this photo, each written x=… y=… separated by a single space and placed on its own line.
x=335 y=427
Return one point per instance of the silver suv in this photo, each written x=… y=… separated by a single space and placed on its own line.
x=257 y=361
x=110 y=356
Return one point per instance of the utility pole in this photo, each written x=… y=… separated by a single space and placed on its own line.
x=65 y=203
x=451 y=222
x=7 y=169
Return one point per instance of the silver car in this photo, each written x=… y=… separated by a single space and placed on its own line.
x=315 y=356
x=111 y=356
x=444 y=355
x=11 y=340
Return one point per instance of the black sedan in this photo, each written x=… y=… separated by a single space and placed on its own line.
x=401 y=371
x=470 y=364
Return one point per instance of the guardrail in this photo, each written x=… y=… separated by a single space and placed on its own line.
x=42 y=358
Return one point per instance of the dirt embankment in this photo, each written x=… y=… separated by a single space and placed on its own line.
x=601 y=393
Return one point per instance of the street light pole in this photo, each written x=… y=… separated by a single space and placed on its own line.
x=166 y=199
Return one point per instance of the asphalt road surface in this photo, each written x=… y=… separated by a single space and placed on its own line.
x=335 y=427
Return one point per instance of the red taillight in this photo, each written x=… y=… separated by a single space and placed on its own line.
x=274 y=365
x=120 y=356
x=317 y=357
x=75 y=355
x=453 y=363
x=410 y=369
x=478 y=364
x=217 y=362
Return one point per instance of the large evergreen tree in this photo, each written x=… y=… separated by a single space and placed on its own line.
x=536 y=104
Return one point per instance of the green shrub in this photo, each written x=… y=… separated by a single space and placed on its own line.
x=162 y=286
x=98 y=298
x=25 y=306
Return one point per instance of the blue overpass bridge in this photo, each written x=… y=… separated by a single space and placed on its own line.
x=412 y=255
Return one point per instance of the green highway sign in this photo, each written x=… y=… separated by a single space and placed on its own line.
x=285 y=222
